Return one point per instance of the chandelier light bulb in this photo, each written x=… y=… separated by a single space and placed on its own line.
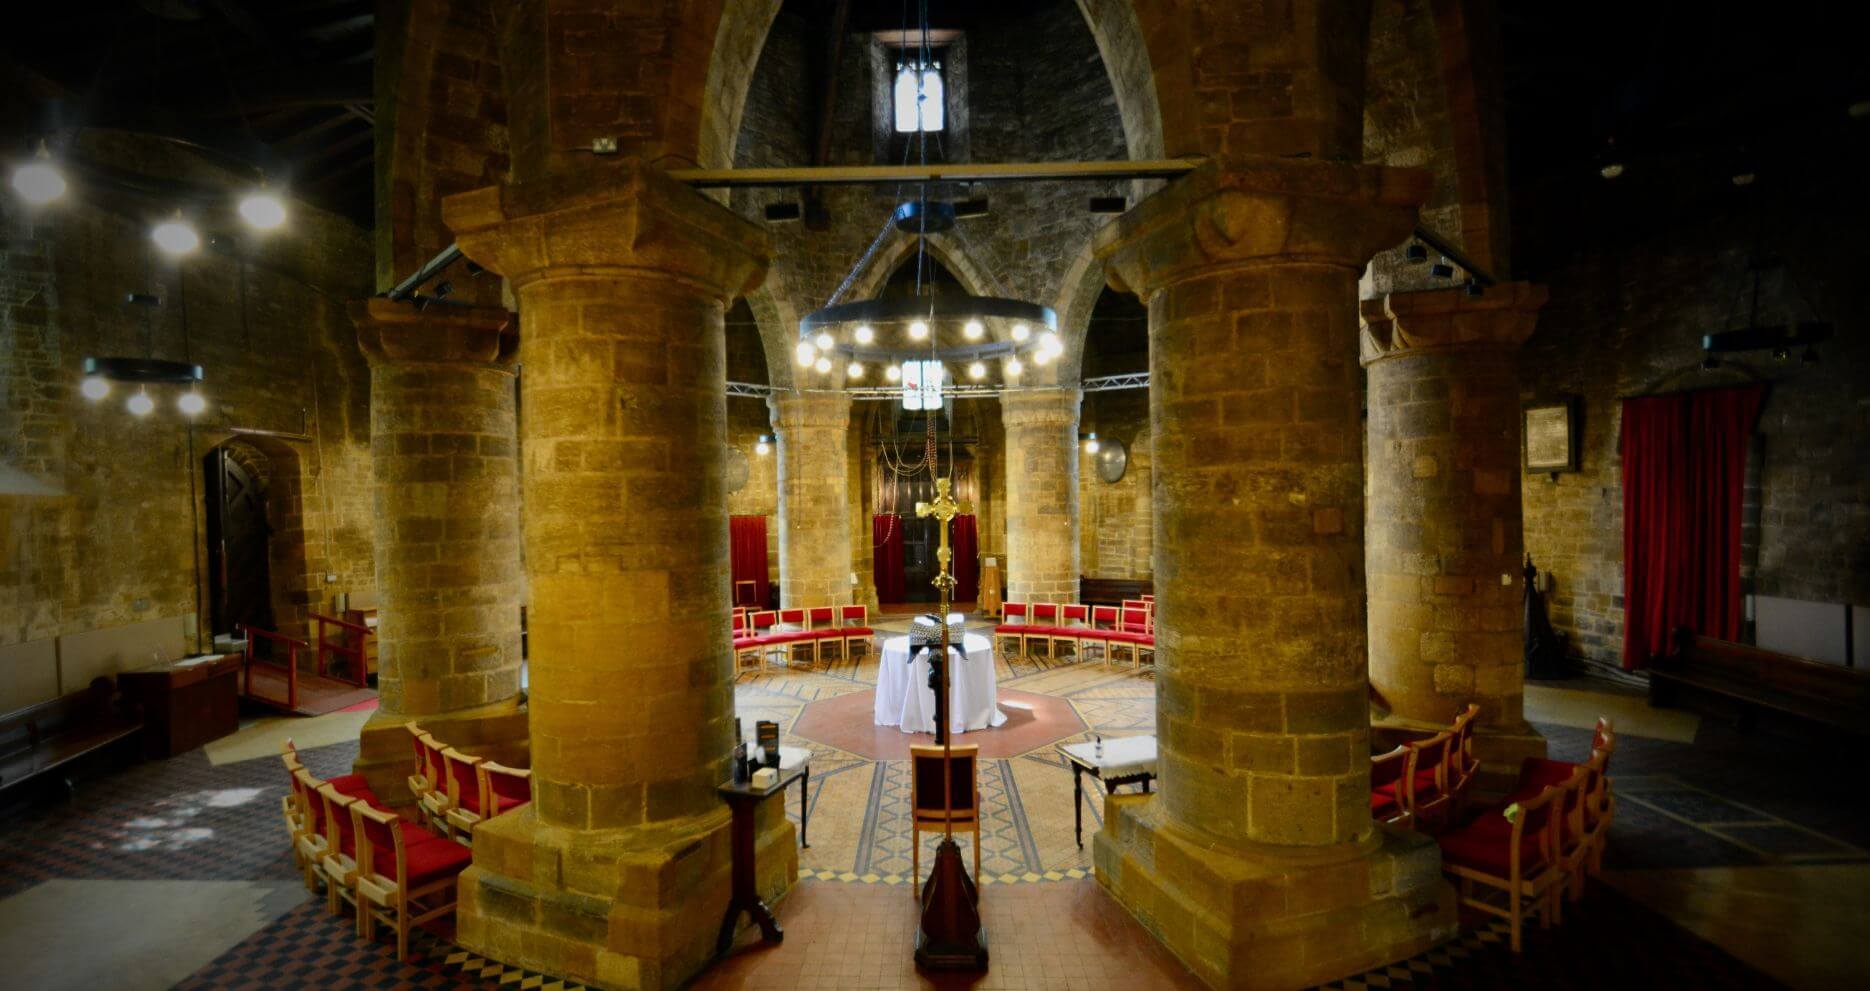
x=1090 y=444
x=822 y=365
x=1021 y=332
x=918 y=331
x=39 y=181
x=1013 y=368
x=973 y=330
x=977 y=371
x=893 y=373
x=95 y=387
x=1049 y=341
x=824 y=341
x=191 y=403
x=854 y=370
x=263 y=210
x=863 y=334
x=176 y=236
x=804 y=353
x=1041 y=357
x=140 y=404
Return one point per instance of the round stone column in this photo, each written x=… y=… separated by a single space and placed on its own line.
x=1446 y=541
x=1041 y=494
x=813 y=431
x=447 y=533
x=617 y=872
x=1257 y=861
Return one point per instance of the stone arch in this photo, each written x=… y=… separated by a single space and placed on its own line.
x=293 y=567
x=736 y=53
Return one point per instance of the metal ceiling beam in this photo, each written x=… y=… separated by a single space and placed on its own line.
x=884 y=175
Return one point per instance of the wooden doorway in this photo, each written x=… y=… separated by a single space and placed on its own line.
x=239 y=544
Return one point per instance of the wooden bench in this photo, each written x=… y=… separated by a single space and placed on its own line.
x=1745 y=682
x=52 y=736
x=1112 y=591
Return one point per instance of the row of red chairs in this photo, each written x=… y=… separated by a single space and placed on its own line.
x=388 y=870
x=1110 y=629
x=1425 y=782
x=458 y=791
x=758 y=634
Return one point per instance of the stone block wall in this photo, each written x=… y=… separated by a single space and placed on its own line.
x=1116 y=531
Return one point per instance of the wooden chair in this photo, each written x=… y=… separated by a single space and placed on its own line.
x=502 y=788
x=749 y=650
x=1044 y=616
x=854 y=624
x=464 y=805
x=301 y=821
x=823 y=623
x=1072 y=619
x=1013 y=617
x=436 y=802
x=746 y=592
x=1581 y=827
x=398 y=881
x=799 y=638
x=1389 y=797
x=1134 y=635
x=421 y=781
x=338 y=865
x=1514 y=852
x=1426 y=785
x=925 y=800
x=1103 y=622
x=1463 y=768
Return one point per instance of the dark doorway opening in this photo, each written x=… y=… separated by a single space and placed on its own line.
x=239 y=538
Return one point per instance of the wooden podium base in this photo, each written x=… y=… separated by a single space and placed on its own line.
x=950 y=936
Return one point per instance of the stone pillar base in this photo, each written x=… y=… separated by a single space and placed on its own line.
x=1241 y=920
x=621 y=909
x=496 y=731
x=1500 y=749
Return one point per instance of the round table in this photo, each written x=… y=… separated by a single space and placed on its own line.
x=973 y=692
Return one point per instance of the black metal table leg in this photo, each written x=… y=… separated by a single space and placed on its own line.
x=805 y=806
x=1077 y=803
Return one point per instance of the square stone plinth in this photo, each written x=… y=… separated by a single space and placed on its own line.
x=1241 y=919
x=621 y=909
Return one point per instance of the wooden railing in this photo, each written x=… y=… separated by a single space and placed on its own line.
x=352 y=648
x=292 y=662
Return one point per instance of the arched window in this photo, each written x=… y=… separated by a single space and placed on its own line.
x=918 y=97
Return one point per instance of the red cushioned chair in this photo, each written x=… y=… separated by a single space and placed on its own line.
x=1012 y=629
x=401 y=881
x=1513 y=853
x=1044 y=623
x=353 y=785
x=1097 y=634
x=1134 y=634
x=1463 y=768
x=434 y=803
x=749 y=650
x=338 y=864
x=823 y=623
x=1072 y=619
x=301 y=825
x=854 y=624
x=796 y=641
x=1388 y=796
x=502 y=788
x=460 y=772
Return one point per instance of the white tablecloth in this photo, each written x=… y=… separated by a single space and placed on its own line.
x=905 y=699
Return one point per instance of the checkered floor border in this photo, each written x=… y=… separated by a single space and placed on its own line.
x=1426 y=966
x=1028 y=877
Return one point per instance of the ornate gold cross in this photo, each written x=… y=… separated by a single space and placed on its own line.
x=944 y=509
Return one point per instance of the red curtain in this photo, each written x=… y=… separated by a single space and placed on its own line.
x=1684 y=463
x=886 y=538
x=966 y=558
x=747 y=535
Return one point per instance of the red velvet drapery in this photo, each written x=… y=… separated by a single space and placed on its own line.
x=966 y=539
x=747 y=538
x=1684 y=463
x=886 y=539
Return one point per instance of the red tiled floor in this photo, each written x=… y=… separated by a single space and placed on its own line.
x=848 y=722
x=1068 y=934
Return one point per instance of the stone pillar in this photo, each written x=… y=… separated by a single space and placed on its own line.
x=447 y=534
x=1446 y=546
x=617 y=874
x=1257 y=861
x=813 y=431
x=1041 y=494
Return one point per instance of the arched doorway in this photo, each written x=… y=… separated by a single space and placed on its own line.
x=239 y=539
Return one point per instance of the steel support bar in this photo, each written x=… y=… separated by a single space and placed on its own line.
x=885 y=175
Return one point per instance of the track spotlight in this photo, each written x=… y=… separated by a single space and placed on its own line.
x=1090 y=443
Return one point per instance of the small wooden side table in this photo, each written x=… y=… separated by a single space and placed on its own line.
x=185 y=703
x=1128 y=760
x=744 y=800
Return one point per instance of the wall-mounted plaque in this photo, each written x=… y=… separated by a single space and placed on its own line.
x=1551 y=432
x=1112 y=459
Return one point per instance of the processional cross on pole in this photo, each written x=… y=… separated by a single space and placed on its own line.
x=950 y=935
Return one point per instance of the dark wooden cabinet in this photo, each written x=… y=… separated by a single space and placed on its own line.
x=185 y=705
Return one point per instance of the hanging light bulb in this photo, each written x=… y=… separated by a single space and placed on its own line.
x=804 y=353
x=1041 y=357
x=918 y=331
x=1049 y=341
x=824 y=341
x=863 y=334
x=95 y=387
x=822 y=365
x=973 y=329
x=1021 y=332
x=893 y=373
x=262 y=209
x=176 y=236
x=1090 y=443
x=1013 y=368
x=765 y=445
x=977 y=371
x=191 y=403
x=854 y=370
x=39 y=181
x=140 y=404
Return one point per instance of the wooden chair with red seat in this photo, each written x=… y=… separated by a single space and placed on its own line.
x=823 y=623
x=1388 y=794
x=435 y=803
x=1133 y=634
x=464 y=805
x=925 y=799
x=353 y=785
x=1014 y=619
x=1044 y=618
x=1072 y=620
x=796 y=641
x=1575 y=834
x=1513 y=852
x=1536 y=773
x=422 y=778
x=299 y=821
x=338 y=865
x=854 y=624
x=1104 y=621
x=401 y=880
x=749 y=650
x=502 y=788
x=1463 y=768
x=1426 y=786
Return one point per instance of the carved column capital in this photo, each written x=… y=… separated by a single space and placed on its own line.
x=396 y=332
x=1252 y=210
x=798 y=410
x=1040 y=407
x=632 y=220
x=1442 y=319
